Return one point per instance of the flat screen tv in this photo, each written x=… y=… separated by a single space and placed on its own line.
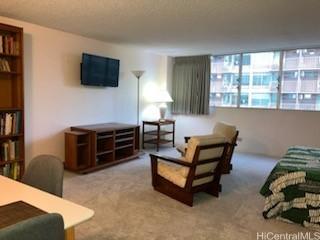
x=99 y=71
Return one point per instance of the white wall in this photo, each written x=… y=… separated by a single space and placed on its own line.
x=267 y=132
x=54 y=98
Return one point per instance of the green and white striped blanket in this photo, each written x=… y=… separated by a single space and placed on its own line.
x=292 y=190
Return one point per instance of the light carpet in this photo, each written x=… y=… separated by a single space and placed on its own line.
x=127 y=207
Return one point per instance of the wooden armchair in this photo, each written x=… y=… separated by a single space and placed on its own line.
x=224 y=130
x=199 y=170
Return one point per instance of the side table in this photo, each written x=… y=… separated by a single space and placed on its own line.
x=157 y=136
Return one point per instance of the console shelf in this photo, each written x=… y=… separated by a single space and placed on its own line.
x=93 y=147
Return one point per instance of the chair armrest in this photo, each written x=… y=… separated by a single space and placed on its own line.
x=199 y=136
x=170 y=159
x=232 y=144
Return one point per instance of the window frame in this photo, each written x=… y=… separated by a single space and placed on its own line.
x=280 y=75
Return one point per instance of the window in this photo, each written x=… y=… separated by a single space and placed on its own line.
x=224 y=80
x=263 y=73
x=246 y=59
x=245 y=79
x=278 y=79
x=300 y=85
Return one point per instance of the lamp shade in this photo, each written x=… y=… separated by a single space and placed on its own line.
x=138 y=73
x=162 y=96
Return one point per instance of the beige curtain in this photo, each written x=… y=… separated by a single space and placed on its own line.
x=191 y=85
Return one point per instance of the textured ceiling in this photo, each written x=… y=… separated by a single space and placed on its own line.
x=180 y=27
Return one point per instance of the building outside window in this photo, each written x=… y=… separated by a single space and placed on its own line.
x=300 y=81
x=263 y=72
x=258 y=80
x=224 y=80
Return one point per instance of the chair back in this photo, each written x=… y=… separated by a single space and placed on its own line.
x=205 y=153
x=225 y=130
x=44 y=227
x=45 y=172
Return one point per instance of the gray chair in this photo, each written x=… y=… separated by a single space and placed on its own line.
x=45 y=172
x=44 y=227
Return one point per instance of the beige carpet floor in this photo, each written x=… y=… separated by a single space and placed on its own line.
x=127 y=207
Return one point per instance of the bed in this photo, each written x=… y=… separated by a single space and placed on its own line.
x=292 y=190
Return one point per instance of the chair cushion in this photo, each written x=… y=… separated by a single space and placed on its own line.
x=182 y=148
x=184 y=171
x=172 y=173
x=201 y=141
x=225 y=130
x=204 y=154
x=178 y=175
x=202 y=181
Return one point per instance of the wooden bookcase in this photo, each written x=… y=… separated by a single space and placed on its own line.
x=11 y=102
x=93 y=147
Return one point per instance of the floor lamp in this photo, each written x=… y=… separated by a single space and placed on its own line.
x=138 y=75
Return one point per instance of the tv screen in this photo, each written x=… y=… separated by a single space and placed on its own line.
x=99 y=71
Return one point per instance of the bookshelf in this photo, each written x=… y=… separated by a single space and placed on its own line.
x=93 y=147
x=11 y=102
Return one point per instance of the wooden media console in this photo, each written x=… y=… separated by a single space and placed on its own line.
x=93 y=147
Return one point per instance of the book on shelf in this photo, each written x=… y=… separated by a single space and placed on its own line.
x=5 y=152
x=12 y=151
x=5 y=171
x=1 y=44
x=5 y=44
x=8 y=45
x=9 y=150
x=4 y=66
x=15 y=171
x=10 y=123
x=11 y=171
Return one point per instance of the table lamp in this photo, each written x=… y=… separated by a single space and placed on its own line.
x=162 y=97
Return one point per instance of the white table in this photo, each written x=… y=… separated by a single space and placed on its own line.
x=73 y=214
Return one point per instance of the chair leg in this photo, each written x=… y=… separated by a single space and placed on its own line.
x=154 y=169
x=214 y=189
x=188 y=201
x=226 y=169
x=173 y=192
x=185 y=198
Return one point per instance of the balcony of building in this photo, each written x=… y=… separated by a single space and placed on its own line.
x=310 y=62
x=310 y=86
x=223 y=99
x=289 y=86
x=307 y=62
x=221 y=67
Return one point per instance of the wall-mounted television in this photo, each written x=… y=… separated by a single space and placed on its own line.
x=99 y=71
